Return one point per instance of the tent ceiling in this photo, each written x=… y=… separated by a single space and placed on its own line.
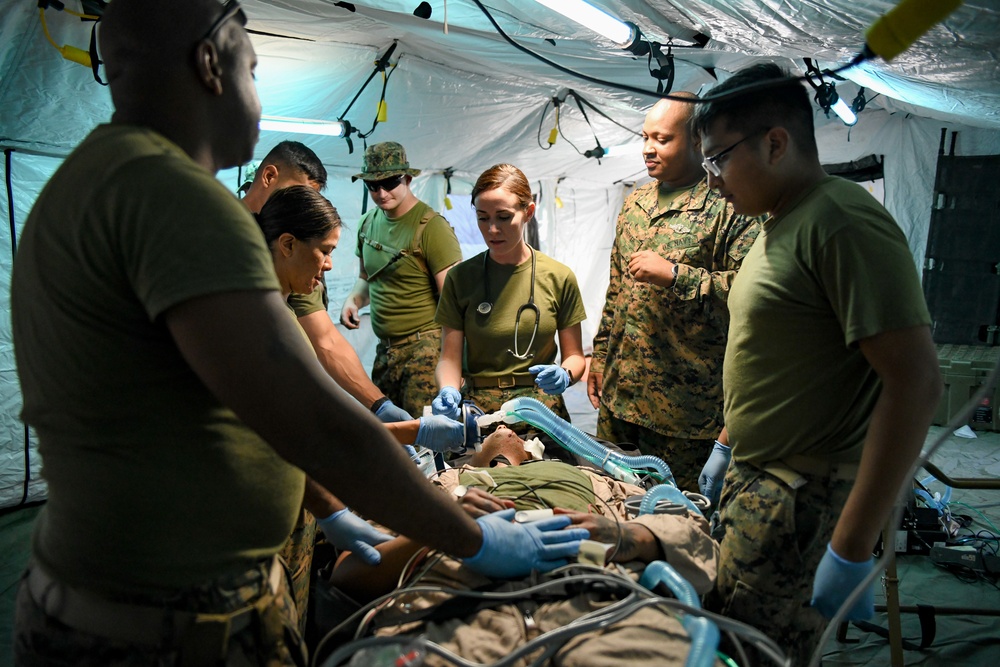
x=463 y=97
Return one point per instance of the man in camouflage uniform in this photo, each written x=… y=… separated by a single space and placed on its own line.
x=405 y=250
x=830 y=373
x=656 y=371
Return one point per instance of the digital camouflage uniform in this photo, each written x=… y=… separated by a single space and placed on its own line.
x=796 y=524
x=661 y=349
x=405 y=373
x=268 y=638
x=297 y=554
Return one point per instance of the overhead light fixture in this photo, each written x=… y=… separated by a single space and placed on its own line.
x=595 y=19
x=826 y=93
x=829 y=100
x=338 y=128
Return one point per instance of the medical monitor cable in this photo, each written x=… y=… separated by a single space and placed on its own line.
x=956 y=422
x=765 y=644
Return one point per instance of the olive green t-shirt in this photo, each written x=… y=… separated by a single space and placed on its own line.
x=488 y=337
x=402 y=293
x=307 y=304
x=833 y=270
x=153 y=483
x=536 y=485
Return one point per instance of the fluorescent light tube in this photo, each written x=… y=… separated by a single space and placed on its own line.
x=596 y=19
x=841 y=109
x=302 y=126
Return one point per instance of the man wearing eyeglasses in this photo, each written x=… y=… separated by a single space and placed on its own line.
x=167 y=384
x=405 y=251
x=830 y=374
x=656 y=371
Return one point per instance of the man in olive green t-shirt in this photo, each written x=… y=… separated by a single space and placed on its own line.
x=405 y=250
x=830 y=376
x=167 y=383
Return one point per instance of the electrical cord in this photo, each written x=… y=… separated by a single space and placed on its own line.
x=741 y=90
x=541 y=121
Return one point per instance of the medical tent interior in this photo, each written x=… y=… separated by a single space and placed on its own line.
x=464 y=85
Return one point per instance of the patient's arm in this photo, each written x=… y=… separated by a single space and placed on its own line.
x=637 y=542
x=364 y=582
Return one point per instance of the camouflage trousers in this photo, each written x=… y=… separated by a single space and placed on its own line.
x=772 y=539
x=685 y=457
x=267 y=637
x=298 y=555
x=405 y=373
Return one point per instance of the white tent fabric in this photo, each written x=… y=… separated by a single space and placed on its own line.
x=460 y=97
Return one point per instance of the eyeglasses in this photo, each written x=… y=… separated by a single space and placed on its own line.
x=712 y=164
x=387 y=184
x=229 y=10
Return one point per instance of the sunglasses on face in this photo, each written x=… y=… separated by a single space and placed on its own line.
x=387 y=184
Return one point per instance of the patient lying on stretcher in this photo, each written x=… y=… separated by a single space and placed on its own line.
x=486 y=631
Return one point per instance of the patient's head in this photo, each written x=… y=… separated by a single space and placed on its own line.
x=501 y=442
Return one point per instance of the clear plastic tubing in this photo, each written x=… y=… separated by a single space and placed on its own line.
x=620 y=466
x=704 y=634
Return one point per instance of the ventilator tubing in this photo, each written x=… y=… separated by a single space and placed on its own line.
x=620 y=466
x=704 y=634
x=665 y=492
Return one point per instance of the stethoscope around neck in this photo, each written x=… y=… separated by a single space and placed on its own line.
x=486 y=307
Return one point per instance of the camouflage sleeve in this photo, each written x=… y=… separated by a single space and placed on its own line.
x=600 y=353
x=734 y=238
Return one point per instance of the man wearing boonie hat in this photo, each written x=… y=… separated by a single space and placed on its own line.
x=406 y=249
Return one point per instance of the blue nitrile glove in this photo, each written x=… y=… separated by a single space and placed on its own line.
x=448 y=403
x=515 y=549
x=411 y=451
x=389 y=412
x=836 y=578
x=349 y=532
x=551 y=378
x=713 y=472
x=441 y=434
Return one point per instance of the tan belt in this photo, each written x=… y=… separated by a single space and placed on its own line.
x=791 y=469
x=501 y=381
x=203 y=638
x=405 y=340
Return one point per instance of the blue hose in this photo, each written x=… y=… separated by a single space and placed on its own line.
x=704 y=634
x=665 y=491
x=620 y=466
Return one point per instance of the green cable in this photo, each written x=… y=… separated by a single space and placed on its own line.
x=985 y=520
x=726 y=659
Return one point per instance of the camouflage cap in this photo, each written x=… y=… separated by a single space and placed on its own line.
x=385 y=160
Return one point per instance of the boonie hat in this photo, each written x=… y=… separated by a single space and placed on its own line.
x=385 y=160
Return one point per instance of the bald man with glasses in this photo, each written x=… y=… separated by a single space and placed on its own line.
x=405 y=250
